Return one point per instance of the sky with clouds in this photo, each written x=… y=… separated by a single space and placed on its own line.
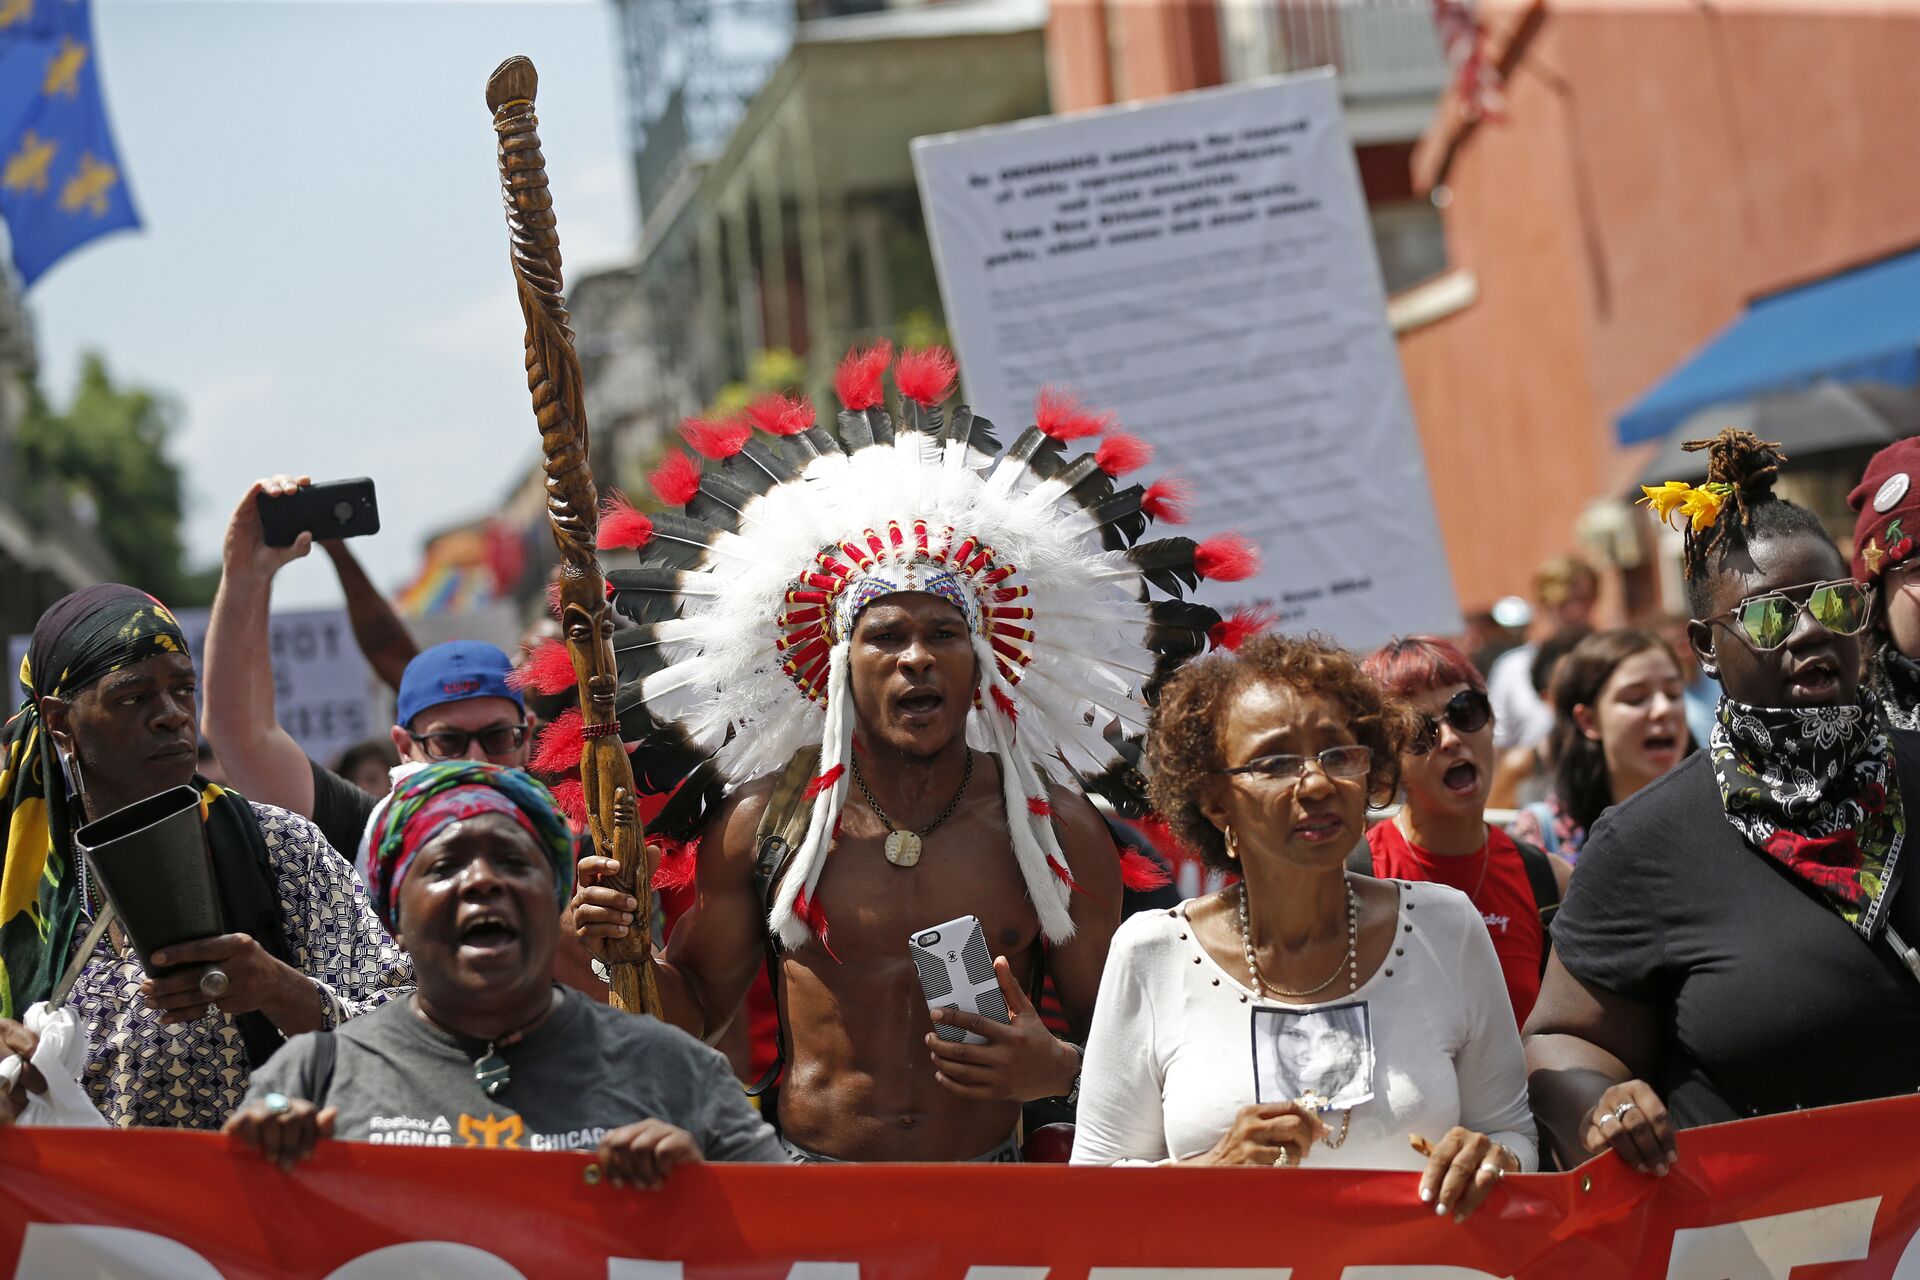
x=321 y=283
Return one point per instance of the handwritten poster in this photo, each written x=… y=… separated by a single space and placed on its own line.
x=1203 y=266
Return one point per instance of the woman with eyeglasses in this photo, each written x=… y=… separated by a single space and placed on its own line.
x=1735 y=943
x=1264 y=759
x=1440 y=833
x=1620 y=721
x=1887 y=501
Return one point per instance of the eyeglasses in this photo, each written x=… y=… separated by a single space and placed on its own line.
x=1468 y=711
x=451 y=744
x=1335 y=762
x=1842 y=606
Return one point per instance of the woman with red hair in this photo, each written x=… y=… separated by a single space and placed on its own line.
x=1441 y=833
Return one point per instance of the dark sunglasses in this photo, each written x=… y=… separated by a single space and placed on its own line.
x=1468 y=711
x=1843 y=607
x=451 y=744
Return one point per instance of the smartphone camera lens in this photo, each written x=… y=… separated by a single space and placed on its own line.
x=342 y=512
x=928 y=939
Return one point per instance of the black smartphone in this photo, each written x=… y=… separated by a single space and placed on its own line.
x=336 y=509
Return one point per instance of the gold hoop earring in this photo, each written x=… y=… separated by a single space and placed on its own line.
x=1233 y=844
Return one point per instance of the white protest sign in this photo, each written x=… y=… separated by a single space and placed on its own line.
x=1203 y=266
x=321 y=683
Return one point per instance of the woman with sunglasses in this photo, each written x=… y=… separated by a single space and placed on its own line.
x=1620 y=721
x=1733 y=943
x=1307 y=1015
x=1441 y=834
x=1887 y=501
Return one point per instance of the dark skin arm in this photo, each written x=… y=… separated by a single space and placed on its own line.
x=1022 y=1060
x=1587 y=1050
x=377 y=629
x=711 y=960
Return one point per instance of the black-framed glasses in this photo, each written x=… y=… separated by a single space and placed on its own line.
x=1335 y=762
x=452 y=744
x=1842 y=606
x=1468 y=711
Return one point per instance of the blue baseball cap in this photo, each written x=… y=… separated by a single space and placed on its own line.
x=454 y=672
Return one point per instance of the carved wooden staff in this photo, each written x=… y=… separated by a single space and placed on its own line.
x=553 y=376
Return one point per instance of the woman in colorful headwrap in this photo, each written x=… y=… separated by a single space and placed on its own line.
x=107 y=719
x=1736 y=940
x=469 y=864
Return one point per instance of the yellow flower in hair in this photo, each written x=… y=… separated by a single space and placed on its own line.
x=1666 y=499
x=1699 y=506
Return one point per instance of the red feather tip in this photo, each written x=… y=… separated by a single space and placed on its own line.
x=816 y=921
x=1227 y=558
x=858 y=380
x=1061 y=873
x=570 y=798
x=1140 y=873
x=1166 y=500
x=622 y=527
x=553 y=597
x=547 y=670
x=716 y=438
x=557 y=750
x=781 y=415
x=1239 y=626
x=676 y=479
x=1006 y=705
x=1119 y=454
x=678 y=865
x=1038 y=807
x=926 y=376
x=1061 y=415
x=825 y=781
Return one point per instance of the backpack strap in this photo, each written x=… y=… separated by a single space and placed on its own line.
x=1546 y=891
x=783 y=825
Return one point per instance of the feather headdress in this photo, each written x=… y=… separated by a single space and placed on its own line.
x=745 y=602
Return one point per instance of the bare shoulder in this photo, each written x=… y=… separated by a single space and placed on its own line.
x=1084 y=835
x=731 y=832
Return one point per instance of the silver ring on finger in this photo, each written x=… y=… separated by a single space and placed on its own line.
x=277 y=1104
x=1498 y=1171
x=1620 y=1112
x=1285 y=1157
x=214 y=984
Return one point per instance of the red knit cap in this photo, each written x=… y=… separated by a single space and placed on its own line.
x=1887 y=504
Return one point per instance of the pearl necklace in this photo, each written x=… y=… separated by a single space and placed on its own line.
x=1351 y=963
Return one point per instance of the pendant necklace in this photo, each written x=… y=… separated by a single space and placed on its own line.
x=492 y=1072
x=903 y=847
x=1350 y=962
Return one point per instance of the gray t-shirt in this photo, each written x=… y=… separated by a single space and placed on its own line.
x=586 y=1070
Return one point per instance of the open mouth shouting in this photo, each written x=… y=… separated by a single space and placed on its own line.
x=920 y=706
x=1661 y=745
x=1462 y=778
x=1814 y=680
x=487 y=934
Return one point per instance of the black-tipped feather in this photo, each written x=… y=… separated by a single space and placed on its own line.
x=855 y=431
x=1168 y=564
x=1120 y=518
x=679 y=542
x=880 y=422
x=646 y=595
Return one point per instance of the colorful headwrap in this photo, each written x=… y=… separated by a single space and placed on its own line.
x=441 y=794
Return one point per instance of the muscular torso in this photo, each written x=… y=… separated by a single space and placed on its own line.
x=860 y=1080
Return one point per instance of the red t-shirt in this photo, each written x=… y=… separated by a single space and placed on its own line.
x=1496 y=882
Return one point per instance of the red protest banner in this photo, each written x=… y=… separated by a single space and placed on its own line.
x=1835 y=1191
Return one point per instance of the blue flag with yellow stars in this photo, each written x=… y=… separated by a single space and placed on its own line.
x=60 y=179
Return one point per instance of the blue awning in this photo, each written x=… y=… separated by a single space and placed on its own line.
x=1862 y=325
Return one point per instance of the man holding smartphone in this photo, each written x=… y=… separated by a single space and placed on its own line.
x=454 y=701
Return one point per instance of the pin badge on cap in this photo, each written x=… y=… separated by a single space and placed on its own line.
x=1891 y=491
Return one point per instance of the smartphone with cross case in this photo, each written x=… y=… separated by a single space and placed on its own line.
x=956 y=972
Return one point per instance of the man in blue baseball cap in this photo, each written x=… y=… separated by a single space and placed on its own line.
x=454 y=704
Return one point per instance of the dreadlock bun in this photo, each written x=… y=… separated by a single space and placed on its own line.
x=1743 y=467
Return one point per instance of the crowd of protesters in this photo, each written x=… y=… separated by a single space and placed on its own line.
x=1693 y=913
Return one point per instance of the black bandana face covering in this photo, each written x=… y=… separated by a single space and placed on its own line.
x=1816 y=789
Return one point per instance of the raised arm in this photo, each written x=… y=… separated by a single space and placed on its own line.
x=236 y=668
x=1587 y=1050
x=377 y=629
x=716 y=948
